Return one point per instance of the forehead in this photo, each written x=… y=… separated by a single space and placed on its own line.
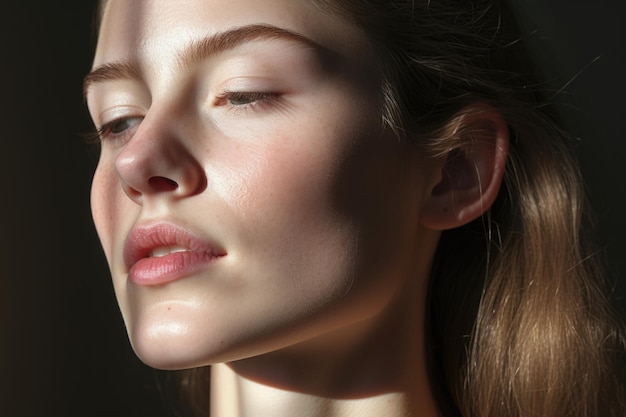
x=159 y=28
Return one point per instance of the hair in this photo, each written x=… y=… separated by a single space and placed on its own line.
x=519 y=323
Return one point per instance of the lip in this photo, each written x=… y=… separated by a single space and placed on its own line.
x=191 y=254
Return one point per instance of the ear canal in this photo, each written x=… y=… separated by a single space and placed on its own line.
x=458 y=173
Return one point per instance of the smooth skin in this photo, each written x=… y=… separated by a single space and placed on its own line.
x=273 y=149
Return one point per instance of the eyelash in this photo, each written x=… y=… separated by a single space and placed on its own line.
x=106 y=132
x=248 y=100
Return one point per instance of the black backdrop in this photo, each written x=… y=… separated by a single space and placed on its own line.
x=62 y=343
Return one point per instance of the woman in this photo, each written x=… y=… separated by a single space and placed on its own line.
x=347 y=208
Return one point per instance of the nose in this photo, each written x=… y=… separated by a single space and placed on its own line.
x=157 y=162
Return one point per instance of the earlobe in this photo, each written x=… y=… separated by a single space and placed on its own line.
x=472 y=170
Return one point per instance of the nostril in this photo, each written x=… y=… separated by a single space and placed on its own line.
x=162 y=184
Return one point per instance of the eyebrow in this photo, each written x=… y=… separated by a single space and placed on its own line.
x=198 y=51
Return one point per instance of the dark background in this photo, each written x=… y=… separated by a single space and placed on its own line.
x=63 y=347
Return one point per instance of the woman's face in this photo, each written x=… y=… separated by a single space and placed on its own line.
x=247 y=197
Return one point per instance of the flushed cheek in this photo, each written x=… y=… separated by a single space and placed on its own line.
x=309 y=199
x=291 y=166
x=279 y=210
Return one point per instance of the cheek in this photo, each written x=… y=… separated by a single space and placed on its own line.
x=106 y=205
x=319 y=204
x=332 y=164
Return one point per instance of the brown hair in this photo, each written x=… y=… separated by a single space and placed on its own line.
x=519 y=323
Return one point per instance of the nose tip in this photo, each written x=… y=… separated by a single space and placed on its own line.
x=160 y=165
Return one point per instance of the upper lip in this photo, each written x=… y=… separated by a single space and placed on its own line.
x=142 y=240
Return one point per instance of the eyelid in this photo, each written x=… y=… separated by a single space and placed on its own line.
x=255 y=90
x=107 y=127
x=106 y=132
x=117 y=112
x=250 y=84
x=252 y=96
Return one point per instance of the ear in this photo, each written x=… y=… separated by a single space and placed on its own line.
x=471 y=172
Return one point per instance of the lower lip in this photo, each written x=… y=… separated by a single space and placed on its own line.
x=168 y=268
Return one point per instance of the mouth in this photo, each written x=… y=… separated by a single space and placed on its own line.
x=164 y=252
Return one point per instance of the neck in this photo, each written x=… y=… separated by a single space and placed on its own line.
x=377 y=369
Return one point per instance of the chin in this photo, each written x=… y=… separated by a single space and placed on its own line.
x=176 y=345
x=167 y=352
x=172 y=343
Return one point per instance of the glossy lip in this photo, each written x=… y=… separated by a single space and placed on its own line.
x=146 y=270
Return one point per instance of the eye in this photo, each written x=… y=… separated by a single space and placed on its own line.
x=119 y=128
x=244 y=98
